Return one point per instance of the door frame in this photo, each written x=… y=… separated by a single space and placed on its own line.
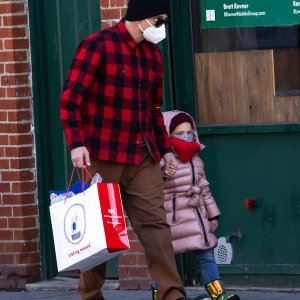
x=41 y=120
x=43 y=126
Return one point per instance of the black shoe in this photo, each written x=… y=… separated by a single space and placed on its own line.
x=233 y=297
x=184 y=298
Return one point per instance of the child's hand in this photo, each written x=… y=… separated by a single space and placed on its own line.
x=214 y=224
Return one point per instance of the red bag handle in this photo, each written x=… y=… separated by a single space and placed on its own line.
x=83 y=169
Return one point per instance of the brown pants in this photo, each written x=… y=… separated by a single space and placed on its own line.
x=142 y=194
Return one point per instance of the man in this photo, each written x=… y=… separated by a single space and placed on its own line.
x=110 y=111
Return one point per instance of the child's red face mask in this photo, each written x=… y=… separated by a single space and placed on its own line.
x=185 y=150
x=183 y=141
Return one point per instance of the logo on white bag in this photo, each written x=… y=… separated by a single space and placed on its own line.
x=75 y=223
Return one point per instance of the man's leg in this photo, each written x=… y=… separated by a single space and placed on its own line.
x=91 y=282
x=143 y=202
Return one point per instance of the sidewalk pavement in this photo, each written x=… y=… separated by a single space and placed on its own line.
x=64 y=288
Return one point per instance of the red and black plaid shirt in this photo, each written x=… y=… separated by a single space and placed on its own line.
x=111 y=99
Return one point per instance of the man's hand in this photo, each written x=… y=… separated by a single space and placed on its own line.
x=80 y=157
x=170 y=164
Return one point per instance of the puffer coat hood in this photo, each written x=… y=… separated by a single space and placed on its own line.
x=169 y=115
x=189 y=204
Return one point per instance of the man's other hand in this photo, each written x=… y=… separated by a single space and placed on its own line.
x=170 y=164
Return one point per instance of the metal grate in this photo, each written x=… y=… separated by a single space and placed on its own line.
x=223 y=252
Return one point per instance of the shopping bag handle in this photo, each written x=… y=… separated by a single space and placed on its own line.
x=83 y=169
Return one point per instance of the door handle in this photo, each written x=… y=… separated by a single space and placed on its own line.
x=235 y=235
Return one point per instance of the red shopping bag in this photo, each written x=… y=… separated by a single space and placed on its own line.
x=89 y=228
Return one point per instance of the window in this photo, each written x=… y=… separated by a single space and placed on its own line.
x=246 y=75
x=286 y=71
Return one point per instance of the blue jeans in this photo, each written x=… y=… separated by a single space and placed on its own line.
x=207 y=265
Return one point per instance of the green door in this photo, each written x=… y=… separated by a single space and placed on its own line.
x=248 y=117
x=57 y=27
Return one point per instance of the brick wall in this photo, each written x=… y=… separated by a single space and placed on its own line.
x=19 y=253
x=112 y=11
x=133 y=272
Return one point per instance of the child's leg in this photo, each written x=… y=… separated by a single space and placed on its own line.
x=209 y=270
x=207 y=265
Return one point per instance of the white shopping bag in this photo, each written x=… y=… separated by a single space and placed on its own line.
x=89 y=228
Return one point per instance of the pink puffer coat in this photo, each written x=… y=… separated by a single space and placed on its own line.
x=189 y=204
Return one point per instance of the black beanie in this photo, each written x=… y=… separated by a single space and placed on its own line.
x=142 y=9
x=180 y=118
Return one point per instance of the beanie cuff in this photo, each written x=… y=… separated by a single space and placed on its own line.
x=180 y=118
x=145 y=9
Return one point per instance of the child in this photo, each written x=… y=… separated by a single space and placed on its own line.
x=191 y=210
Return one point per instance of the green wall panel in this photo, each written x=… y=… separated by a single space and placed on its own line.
x=265 y=167
x=70 y=22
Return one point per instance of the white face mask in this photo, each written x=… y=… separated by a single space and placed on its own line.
x=154 y=34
